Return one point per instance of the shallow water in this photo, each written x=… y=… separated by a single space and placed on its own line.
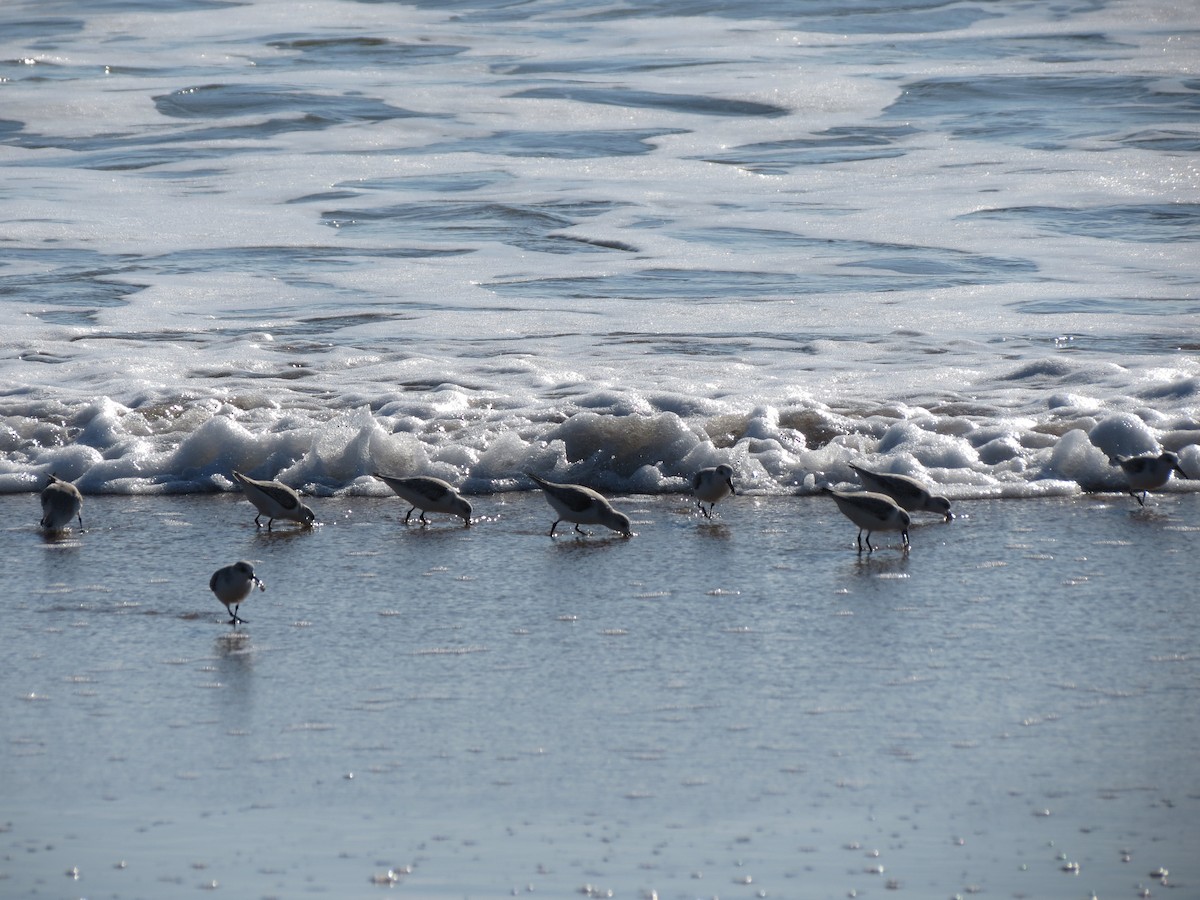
x=738 y=708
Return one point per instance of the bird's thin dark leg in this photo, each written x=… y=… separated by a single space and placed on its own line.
x=258 y=524
x=580 y=530
x=409 y=516
x=424 y=521
x=859 y=539
x=555 y=525
x=870 y=549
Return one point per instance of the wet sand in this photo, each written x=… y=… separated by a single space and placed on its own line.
x=738 y=708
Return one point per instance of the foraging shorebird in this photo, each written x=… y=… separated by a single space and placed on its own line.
x=710 y=485
x=581 y=505
x=274 y=500
x=908 y=492
x=232 y=585
x=61 y=502
x=428 y=494
x=872 y=512
x=1149 y=473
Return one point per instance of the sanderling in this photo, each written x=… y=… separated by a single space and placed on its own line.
x=908 y=492
x=427 y=493
x=1148 y=473
x=274 y=500
x=581 y=505
x=871 y=512
x=710 y=485
x=61 y=502
x=232 y=585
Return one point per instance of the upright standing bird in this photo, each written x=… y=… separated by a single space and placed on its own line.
x=275 y=501
x=871 y=512
x=232 y=585
x=581 y=505
x=427 y=493
x=710 y=485
x=61 y=502
x=908 y=492
x=1149 y=473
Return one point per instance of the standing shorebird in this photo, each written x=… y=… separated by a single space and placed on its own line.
x=581 y=505
x=428 y=494
x=908 y=492
x=872 y=512
x=232 y=585
x=275 y=501
x=61 y=502
x=710 y=485
x=1149 y=473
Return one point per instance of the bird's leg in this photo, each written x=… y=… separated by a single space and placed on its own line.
x=270 y=522
x=555 y=525
x=859 y=539
x=870 y=549
x=580 y=530
x=424 y=521
x=410 y=512
x=258 y=524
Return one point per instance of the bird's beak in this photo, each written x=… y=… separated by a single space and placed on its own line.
x=1182 y=474
x=262 y=585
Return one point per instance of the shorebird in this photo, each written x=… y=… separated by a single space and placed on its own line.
x=274 y=500
x=232 y=585
x=581 y=505
x=428 y=494
x=710 y=485
x=908 y=492
x=1149 y=473
x=61 y=502
x=872 y=512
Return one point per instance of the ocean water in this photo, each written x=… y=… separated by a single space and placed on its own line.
x=610 y=243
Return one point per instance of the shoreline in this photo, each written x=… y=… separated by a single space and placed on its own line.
x=479 y=710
